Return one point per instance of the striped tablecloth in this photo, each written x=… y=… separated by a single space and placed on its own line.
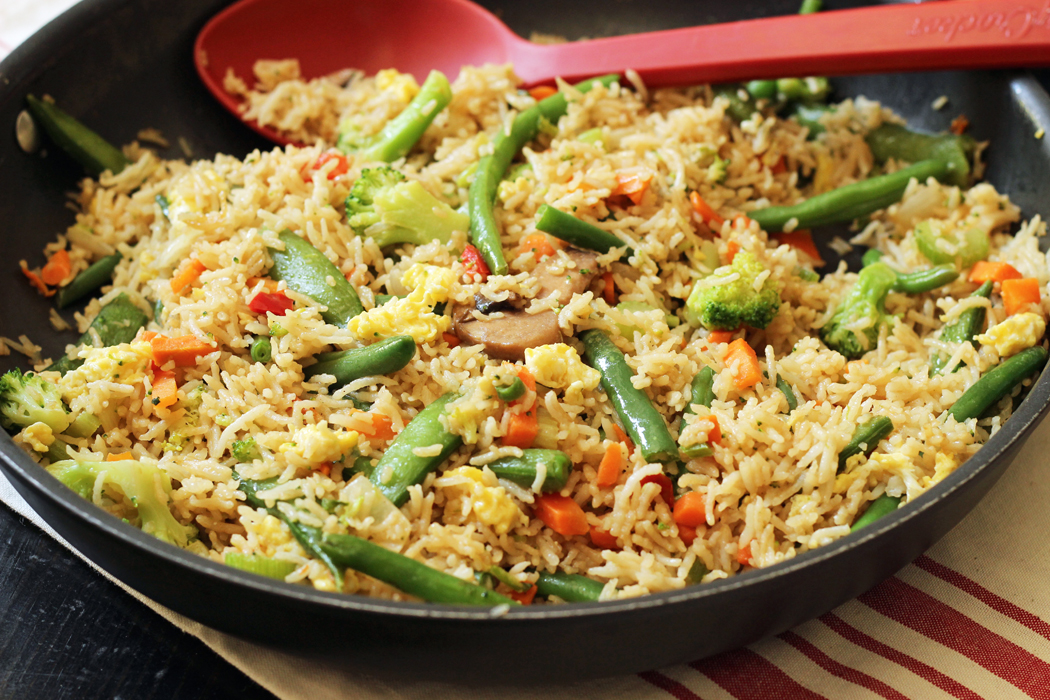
x=970 y=619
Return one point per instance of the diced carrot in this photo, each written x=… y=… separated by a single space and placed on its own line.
x=732 y=248
x=632 y=183
x=742 y=362
x=624 y=438
x=57 y=268
x=959 y=125
x=602 y=539
x=743 y=555
x=525 y=597
x=382 y=426
x=689 y=510
x=741 y=221
x=714 y=435
x=527 y=379
x=324 y=468
x=666 y=487
x=542 y=92
x=34 y=279
x=561 y=514
x=269 y=285
x=779 y=167
x=522 y=429
x=184 y=350
x=165 y=390
x=801 y=240
x=148 y=335
x=611 y=465
x=708 y=215
x=538 y=244
x=1019 y=293
x=119 y=457
x=451 y=339
x=721 y=336
x=986 y=270
x=342 y=165
x=609 y=290
x=688 y=534
x=187 y=275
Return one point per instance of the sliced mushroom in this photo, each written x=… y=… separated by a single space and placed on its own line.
x=560 y=281
x=506 y=337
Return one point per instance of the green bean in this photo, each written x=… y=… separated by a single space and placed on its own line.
x=571 y=588
x=702 y=389
x=883 y=505
x=306 y=270
x=900 y=143
x=400 y=467
x=261 y=350
x=98 y=274
x=696 y=573
x=806 y=90
x=866 y=438
x=81 y=143
x=925 y=280
x=403 y=131
x=484 y=231
x=643 y=422
x=405 y=574
x=579 y=233
x=376 y=360
x=788 y=393
x=871 y=256
x=522 y=470
x=810 y=6
x=699 y=449
x=850 y=201
x=117 y=322
x=504 y=577
x=963 y=330
x=998 y=382
x=258 y=564
x=511 y=392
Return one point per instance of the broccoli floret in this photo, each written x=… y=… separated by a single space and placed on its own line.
x=26 y=399
x=733 y=304
x=245 y=451
x=386 y=207
x=145 y=485
x=854 y=328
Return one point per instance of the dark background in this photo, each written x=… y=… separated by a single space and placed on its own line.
x=67 y=632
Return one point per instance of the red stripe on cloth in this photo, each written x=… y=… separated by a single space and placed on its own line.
x=924 y=671
x=841 y=670
x=996 y=603
x=748 y=676
x=930 y=617
x=676 y=689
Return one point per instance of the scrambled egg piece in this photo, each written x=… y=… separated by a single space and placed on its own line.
x=943 y=466
x=272 y=536
x=39 y=436
x=414 y=314
x=559 y=366
x=1014 y=334
x=126 y=363
x=490 y=504
x=319 y=443
x=401 y=84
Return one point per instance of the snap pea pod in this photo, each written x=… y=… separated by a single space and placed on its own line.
x=898 y=142
x=306 y=270
x=511 y=392
x=400 y=467
x=522 y=470
x=866 y=437
x=810 y=6
x=809 y=117
x=788 y=393
x=850 y=201
x=579 y=233
x=81 y=143
x=998 y=382
x=964 y=329
x=484 y=231
x=309 y=538
x=572 y=588
x=117 y=322
x=378 y=359
x=739 y=108
x=408 y=575
x=98 y=274
x=925 y=280
x=643 y=422
x=883 y=505
x=871 y=256
x=403 y=131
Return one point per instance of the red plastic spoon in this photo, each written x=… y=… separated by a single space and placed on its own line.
x=416 y=36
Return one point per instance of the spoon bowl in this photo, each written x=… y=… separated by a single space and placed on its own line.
x=415 y=36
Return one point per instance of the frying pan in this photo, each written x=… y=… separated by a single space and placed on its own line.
x=123 y=65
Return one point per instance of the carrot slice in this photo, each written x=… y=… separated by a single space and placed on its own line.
x=609 y=288
x=986 y=270
x=632 y=183
x=1019 y=293
x=801 y=240
x=624 y=438
x=324 y=468
x=743 y=555
x=57 y=268
x=721 y=336
x=189 y=274
x=708 y=215
x=611 y=465
x=451 y=339
x=165 y=390
x=689 y=510
x=714 y=435
x=522 y=426
x=34 y=279
x=184 y=350
x=561 y=514
x=539 y=244
x=688 y=534
x=525 y=598
x=382 y=426
x=118 y=457
x=269 y=285
x=542 y=92
x=732 y=248
x=742 y=362
x=602 y=539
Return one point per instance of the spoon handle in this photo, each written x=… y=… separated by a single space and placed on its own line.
x=964 y=34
